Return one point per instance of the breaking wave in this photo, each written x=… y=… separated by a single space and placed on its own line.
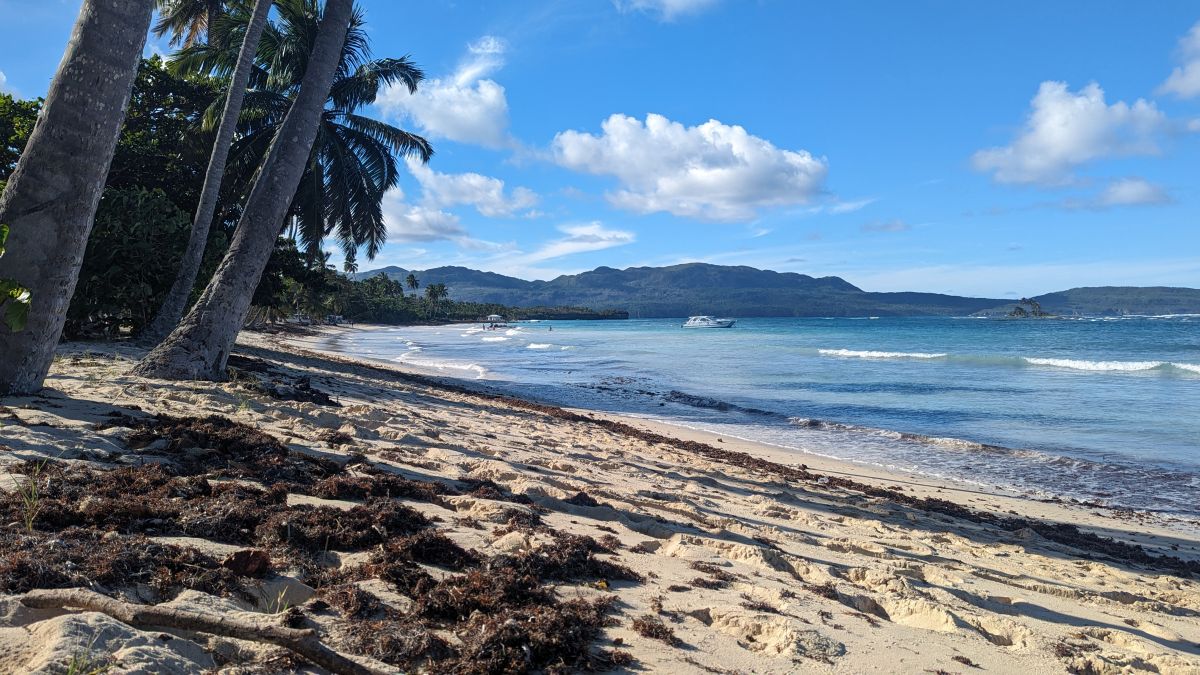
x=850 y=353
x=1113 y=366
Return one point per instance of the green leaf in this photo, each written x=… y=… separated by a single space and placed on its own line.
x=15 y=300
x=3 y=237
x=16 y=315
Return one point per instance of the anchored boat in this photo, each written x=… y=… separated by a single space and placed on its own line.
x=708 y=322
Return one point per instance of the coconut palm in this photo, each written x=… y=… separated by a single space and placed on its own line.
x=434 y=294
x=50 y=199
x=176 y=300
x=354 y=158
x=199 y=347
x=187 y=21
x=411 y=282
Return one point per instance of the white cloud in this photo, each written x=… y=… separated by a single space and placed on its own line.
x=1184 y=81
x=712 y=171
x=466 y=106
x=668 y=10
x=1133 y=192
x=4 y=88
x=850 y=207
x=1066 y=129
x=410 y=223
x=485 y=193
x=579 y=238
x=591 y=236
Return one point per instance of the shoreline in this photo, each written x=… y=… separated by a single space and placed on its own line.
x=997 y=498
x=419 y=524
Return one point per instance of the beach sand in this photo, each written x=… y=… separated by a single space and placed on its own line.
x=717 y=555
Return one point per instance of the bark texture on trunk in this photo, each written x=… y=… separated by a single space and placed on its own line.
x=51 y=197
x=199 y=347
x=176 y=301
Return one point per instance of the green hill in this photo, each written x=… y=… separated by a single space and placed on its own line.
x=700 y=288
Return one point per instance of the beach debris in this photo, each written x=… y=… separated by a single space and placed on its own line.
x=247 y=562
x=321 y=528
x=652 y=627
x=215 y=444
x=302 y=641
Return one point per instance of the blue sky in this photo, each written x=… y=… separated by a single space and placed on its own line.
x=971 y=148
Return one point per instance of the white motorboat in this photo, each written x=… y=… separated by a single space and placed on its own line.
x=708 y=322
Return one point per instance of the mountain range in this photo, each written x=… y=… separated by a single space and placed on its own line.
x=701 y=288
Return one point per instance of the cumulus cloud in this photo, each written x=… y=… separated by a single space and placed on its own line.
x=1066 y=129
x=712 y=171
x=668 y=10
x=485 y=193
x=1184 y=81
x=467 y=106
x=1133 y=192
x=4 y=88
x=412 y=223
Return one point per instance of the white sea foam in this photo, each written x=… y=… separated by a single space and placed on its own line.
x=565 y=348
x=512 y=331
x=539 y=345
x=1190 y=367
x=850 y=353
x=1079 y=364
x=495 y=338
x=443 y=366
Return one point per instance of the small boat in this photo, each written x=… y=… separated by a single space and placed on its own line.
x=708 y=322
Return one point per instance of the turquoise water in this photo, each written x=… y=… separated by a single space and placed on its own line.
x=1103 y=409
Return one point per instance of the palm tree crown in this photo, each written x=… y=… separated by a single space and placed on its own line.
x=187 y=21
x=354 y=159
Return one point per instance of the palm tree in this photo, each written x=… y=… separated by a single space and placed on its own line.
x=176 y=301
x=199 y=347
x=188 y=20
x=411 y=282
x=435 y=293
x=354 y=157
x=50 y=199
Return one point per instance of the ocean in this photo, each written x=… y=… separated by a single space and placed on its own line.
x=1104 y=410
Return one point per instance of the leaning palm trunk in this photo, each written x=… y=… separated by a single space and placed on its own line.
x=176 y=301
x=199 y=347
x=51 y=197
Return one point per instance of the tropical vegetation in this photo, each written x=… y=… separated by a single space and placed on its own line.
x=147 y=169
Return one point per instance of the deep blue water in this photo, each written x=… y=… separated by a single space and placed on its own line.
x=1105 y=409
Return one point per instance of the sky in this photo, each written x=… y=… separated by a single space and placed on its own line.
x=991 y=149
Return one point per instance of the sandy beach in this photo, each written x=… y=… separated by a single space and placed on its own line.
x=416 y=525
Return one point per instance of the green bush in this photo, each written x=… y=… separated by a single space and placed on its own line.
x=131 y=260
x=14 y=298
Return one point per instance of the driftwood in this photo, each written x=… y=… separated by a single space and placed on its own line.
x=302 y=641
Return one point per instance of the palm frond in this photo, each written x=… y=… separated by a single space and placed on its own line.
x=399 y=141
x=362 y=86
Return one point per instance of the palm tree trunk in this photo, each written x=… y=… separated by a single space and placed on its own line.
x=211 y=16
x=51 y=197
x=199 y=347
x=176 y=301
